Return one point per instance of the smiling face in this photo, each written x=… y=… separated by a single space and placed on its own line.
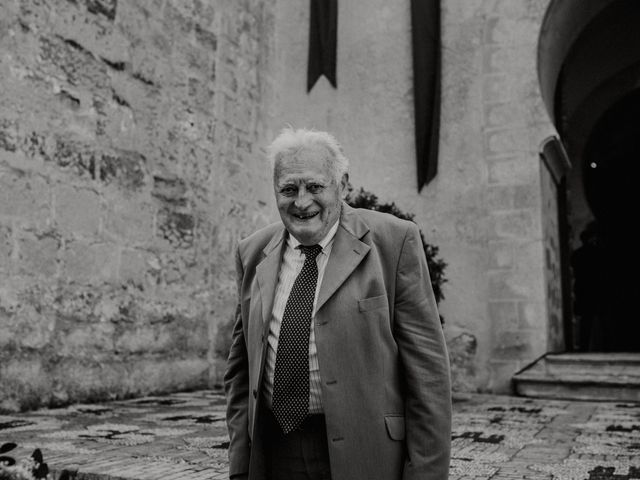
x=308 y=197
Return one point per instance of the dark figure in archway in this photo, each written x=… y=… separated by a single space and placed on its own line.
x=589 y=298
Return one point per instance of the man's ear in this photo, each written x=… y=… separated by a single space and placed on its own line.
x=344 y=182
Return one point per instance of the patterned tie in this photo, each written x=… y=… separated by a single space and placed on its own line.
x=290 y=401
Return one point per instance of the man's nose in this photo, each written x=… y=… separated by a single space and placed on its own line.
x=303 y=199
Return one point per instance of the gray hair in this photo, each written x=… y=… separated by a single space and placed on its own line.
x=290 y=141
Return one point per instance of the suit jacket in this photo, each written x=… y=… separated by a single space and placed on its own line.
x=381 y=352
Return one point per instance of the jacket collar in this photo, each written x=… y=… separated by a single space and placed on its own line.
x=346 y=254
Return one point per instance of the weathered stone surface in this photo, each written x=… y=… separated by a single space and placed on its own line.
x=462 y=353
x=78 y=211
x=38 y=254
x=512 y=345
x=128 y=133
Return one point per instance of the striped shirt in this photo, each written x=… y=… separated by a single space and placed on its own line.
x=292 y=262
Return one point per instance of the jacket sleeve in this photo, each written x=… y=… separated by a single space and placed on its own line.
x=425 y=366
x=236 y=384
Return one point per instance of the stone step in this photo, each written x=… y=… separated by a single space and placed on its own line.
x=582 y=376
x=601 y=364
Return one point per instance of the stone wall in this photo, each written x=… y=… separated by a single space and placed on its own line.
x=486 y=203
x=129 y=168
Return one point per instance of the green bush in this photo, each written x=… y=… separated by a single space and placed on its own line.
x=365 y=199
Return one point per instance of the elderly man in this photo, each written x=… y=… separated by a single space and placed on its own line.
x=338 y=367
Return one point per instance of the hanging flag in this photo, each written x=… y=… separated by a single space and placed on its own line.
x=323 y=41
x=426 y=44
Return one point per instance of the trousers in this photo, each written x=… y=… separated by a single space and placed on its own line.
x=302 y=454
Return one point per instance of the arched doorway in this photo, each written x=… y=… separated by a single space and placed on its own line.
x=589 y=71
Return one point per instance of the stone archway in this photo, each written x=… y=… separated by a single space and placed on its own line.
x=589 y=72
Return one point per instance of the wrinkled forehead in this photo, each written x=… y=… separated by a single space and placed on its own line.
x=314 y=157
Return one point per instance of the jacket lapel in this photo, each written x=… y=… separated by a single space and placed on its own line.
x=267 y=273
x=346 y=254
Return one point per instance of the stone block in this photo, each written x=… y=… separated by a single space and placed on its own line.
x=518 y=224
x=500 y=197
x=106 y=8
x=514 y=9
x=501 y=371
x=511 y=169
x=197 y=340
x=32 y=328
x=508 y=285
x=202 y=94
x=77 y=211
x=237 y=114
x=511 y=31
x=38 y=256
x=206 y=38
x=500 y=255
x=513 y=197
x=507 y=114
x=512 y=345
x=170 y=189
x=93 y=263
x=462 y=354
x=177 y=21
x=138 y=267
x=84 y=379
x=503 y=316
x=125 y=167
x=509 y=58
x=8 y=135
x=72 y=61
x=531 y=315
x=172 y=374
x=470 y=228
x=143 y=338
x=20 y=162
x=526 y=196
x=177 y=228
x=70 y=154
x=25 y=197
x=6 y=246
x=83 y=339
x=129 y=219
x=25 y=382
x=506 y=141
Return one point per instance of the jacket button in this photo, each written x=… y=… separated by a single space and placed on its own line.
x=255 y=393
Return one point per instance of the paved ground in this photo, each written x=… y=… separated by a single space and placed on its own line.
x=182 y=436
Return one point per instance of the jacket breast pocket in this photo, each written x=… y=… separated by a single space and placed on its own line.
x=371 y=303
x=395 y=426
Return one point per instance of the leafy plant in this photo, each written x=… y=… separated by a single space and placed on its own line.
x=365 y=199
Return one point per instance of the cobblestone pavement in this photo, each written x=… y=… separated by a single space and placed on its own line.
x=183 y=436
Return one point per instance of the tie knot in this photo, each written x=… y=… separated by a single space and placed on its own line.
x=311 y=251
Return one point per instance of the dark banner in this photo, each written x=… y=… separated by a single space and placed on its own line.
x=426 y=44
x=323 y=41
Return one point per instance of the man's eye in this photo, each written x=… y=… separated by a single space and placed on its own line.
x=314 y=188
x=288 y=191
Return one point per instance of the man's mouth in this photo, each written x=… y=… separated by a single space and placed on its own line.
x=305 y=216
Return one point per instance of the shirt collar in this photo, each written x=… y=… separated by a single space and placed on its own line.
x=294 y=243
